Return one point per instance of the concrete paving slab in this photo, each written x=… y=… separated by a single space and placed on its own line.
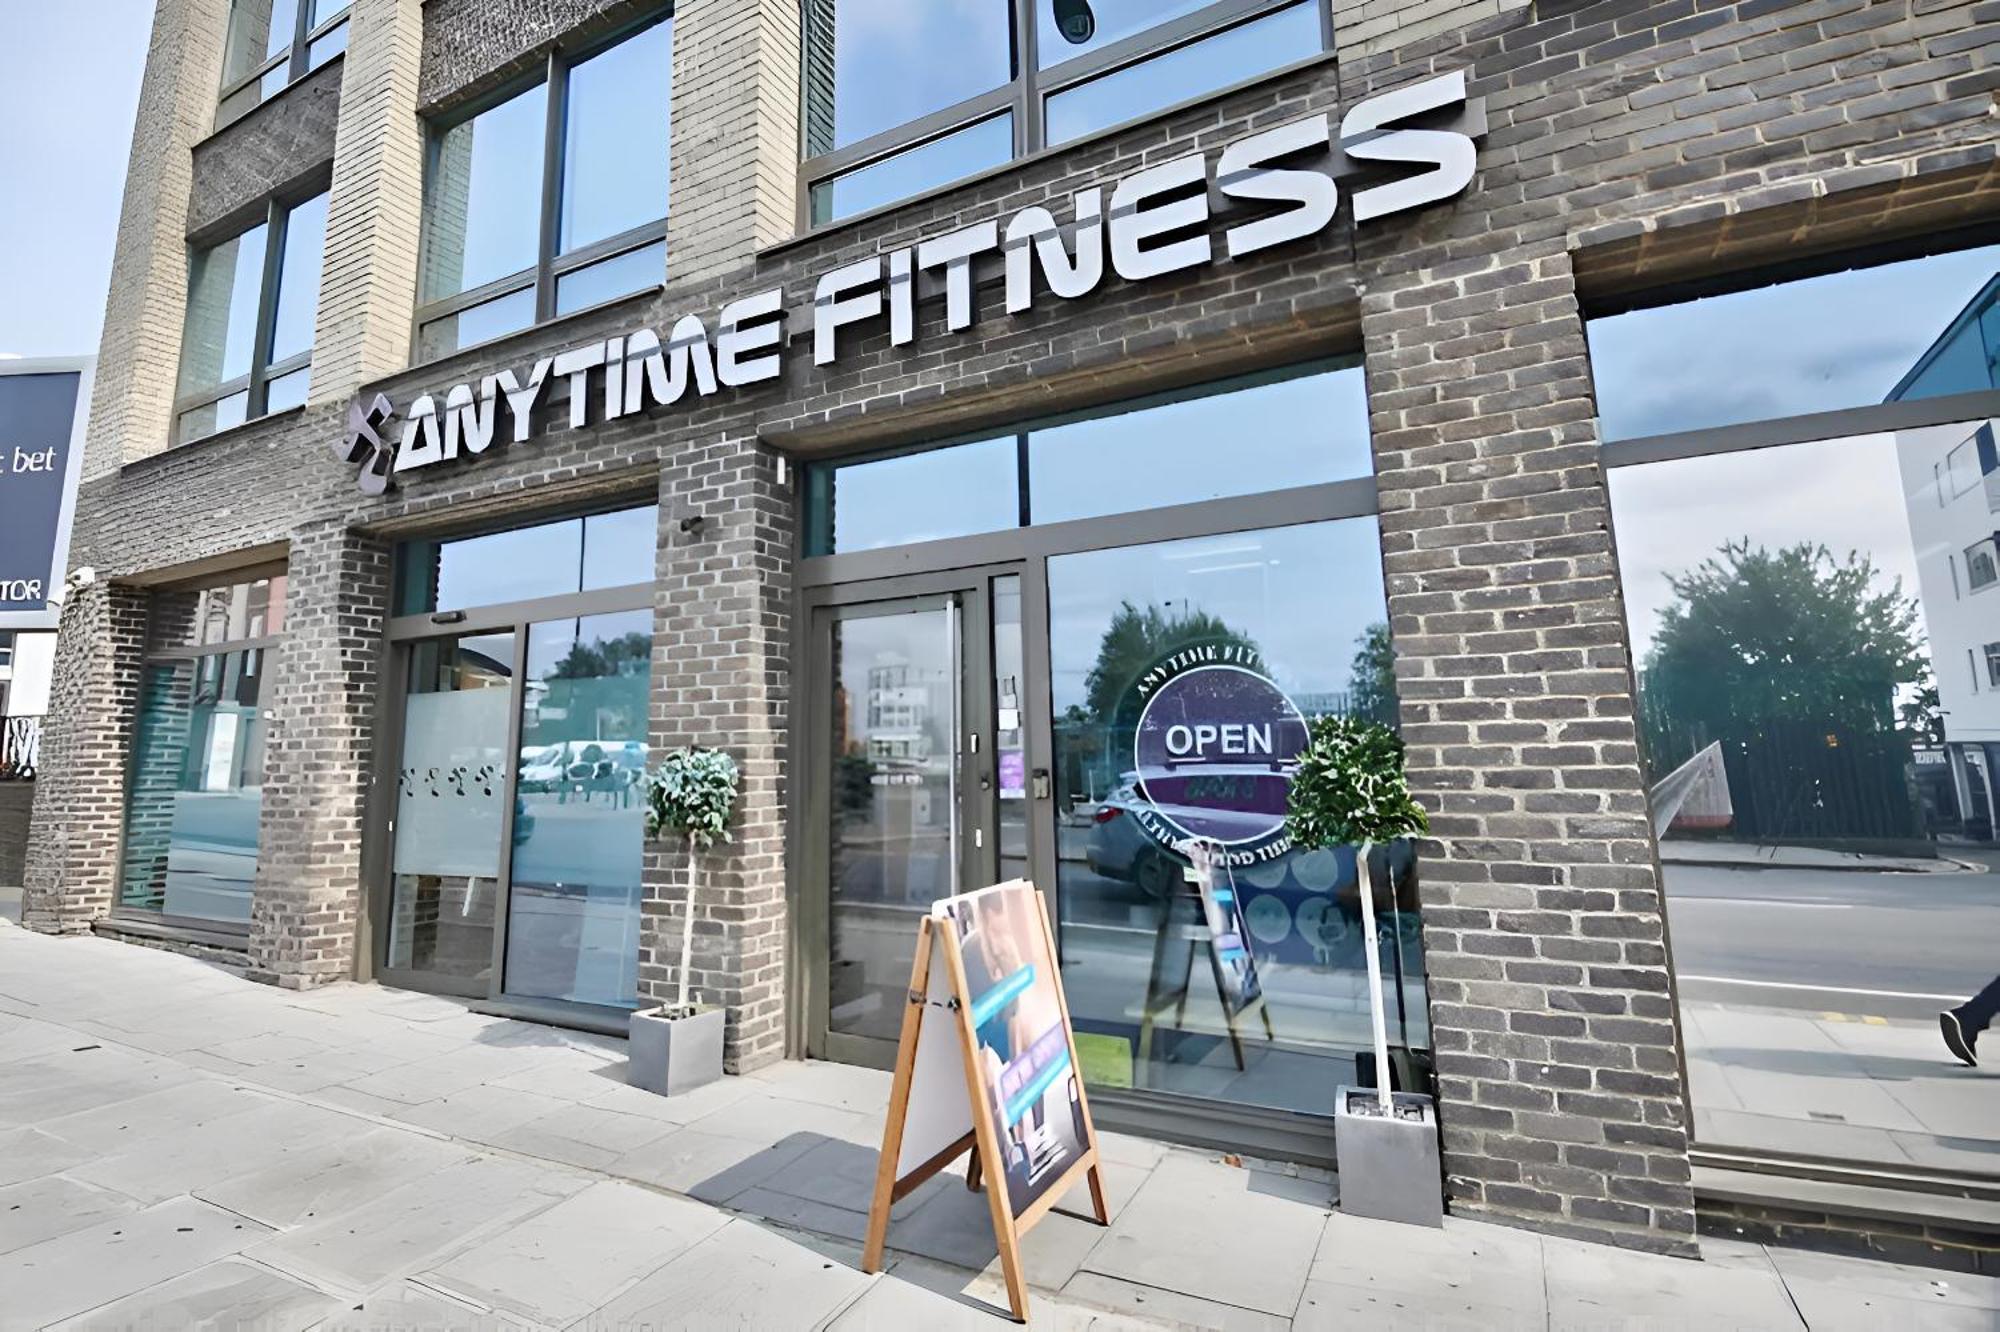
x=418 y=1225
x=743 y=1275
x=480 y=1113
x=1591 y=1286
x=842 y=1175
x=1893 y=1280
x=405 y=1306
x=1197 y=1228
x=765 y=1118
x=1325 y=1306
x=53 y=1205
x=271 y=1047
x=679 y=1110
x=956 y=1227
x=1449 y=1273
x=1167 y=1306
x=319 y=1072
x=67 y=1082
x=226 y=1294
x=802 y=1215
x=29 y=1153
x=180 y=1160
x=713 y=1169
x=561 y=1263
x=892 y=1304
x=28 y=1038
x=842 y=1086
x=1834 y=1308
x=333 y=1178
x=66 y=1276
x=111 y=1128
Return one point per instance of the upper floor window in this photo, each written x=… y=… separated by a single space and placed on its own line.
x=552 y=199
x=1893 y=332
x=6 y=650
x=1982 y=564
x=246 y=350
x=273 y=43
x=889 y=114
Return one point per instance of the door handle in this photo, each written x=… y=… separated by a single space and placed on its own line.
x=1041 y=783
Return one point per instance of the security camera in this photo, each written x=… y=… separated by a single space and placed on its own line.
x=1075 y=21
x=82 y=577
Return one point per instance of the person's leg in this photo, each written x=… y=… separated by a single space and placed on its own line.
x=1962 y=1026
x=1977 y=1013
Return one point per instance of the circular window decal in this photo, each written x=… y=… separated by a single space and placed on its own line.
x=1216 y=746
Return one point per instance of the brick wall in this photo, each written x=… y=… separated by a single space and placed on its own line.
x=72 y=870
x=17 y=799
x=1364 y=27
x=318 y=754
x=285 y=145
x=131 y=403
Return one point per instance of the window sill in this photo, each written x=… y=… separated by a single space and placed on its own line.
x=287 y=416
x=143 y=924
x=1079 y=144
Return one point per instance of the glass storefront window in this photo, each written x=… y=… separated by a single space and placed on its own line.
x=603 y=550
x=1846 y=339
x=1232 y=56
x=1311 y=427
x=195 y=792
x=580 y=821
x=1296 y=615
x=1819 y=733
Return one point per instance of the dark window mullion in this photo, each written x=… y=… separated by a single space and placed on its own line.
x=1028 y=127
x=275 y=225
x=552 y=170
x=301 y=26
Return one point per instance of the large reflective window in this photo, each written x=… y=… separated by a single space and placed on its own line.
x=872 y=65
x=483 y=200
x=1820 y=727
x=258 y=30
x=1239 y=53
x=1296 y=430
x=615 y=139
x=938 y=162
x=1847 y=339
x=195 y=792
x=1303 y=426
x=298 y=279
x=269 y=44
x=616 y=549
x=580 y=820
x=1279 y=625
x=224 y=282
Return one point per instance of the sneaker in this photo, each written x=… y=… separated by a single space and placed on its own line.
x=1955 y=1039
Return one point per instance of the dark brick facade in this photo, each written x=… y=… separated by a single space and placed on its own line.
x=287 y=146
x=1629 y=144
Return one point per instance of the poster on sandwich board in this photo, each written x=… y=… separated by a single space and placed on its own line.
x=987 y=1065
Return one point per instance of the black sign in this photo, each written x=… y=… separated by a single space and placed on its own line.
x=38 y=418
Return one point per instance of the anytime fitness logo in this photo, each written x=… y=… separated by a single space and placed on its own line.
x=1215 y=750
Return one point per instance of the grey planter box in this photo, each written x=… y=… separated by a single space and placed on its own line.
x=675 y=1055
x=1388 y=1167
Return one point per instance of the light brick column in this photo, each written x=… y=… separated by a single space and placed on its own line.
x=736 y=132
x=138 y=365
x=368 y=284
x=79 y=815
x=720 y=678
x=1551 y=1003
x=318 y=753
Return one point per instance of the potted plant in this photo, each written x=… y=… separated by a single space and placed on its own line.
x=677 y=1047
x=1350 y=790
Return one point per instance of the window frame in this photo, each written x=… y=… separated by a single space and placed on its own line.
x=1027 y=95
x=296 y=58
x=552 y=73
x=276 y=221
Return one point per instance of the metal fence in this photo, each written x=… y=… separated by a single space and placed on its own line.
x=20 y=747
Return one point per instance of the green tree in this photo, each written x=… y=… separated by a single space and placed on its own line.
x=595 y=659
x=1134 y=643
x=1371 y=684
x=1757 y=636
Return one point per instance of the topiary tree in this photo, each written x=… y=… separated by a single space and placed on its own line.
x=1350 y=790
x=691 y=794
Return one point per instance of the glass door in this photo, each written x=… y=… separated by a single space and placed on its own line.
x=453 y=780
x=919 y=790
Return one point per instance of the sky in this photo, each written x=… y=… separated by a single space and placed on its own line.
x=69 y=87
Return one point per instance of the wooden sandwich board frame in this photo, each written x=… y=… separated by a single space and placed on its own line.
x=935 y=936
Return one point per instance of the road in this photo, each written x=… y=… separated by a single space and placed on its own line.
x=1894 y=945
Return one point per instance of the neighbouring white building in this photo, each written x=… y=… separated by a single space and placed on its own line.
x=1951 y=484
x=26 y=660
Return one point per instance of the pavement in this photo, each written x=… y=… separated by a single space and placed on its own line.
x=179 y=1147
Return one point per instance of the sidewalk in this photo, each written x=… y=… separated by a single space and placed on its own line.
x=1770 y=855
x=178 y=1145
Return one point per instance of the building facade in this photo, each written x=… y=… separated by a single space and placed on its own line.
x=904 y=398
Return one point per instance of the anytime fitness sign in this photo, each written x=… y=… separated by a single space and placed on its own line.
x=1215 y=750
x=1280 y=183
